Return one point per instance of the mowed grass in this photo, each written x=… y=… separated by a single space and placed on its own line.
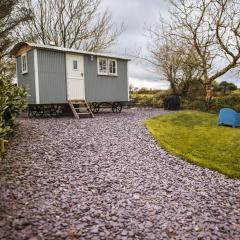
x=195 y=136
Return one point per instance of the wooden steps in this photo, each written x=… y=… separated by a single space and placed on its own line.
x=80 y=108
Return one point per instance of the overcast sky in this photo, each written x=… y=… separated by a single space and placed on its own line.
x=137 y=15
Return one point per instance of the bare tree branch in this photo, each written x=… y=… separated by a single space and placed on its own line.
x=11 y=15
x=212 y=29
x=73 y=24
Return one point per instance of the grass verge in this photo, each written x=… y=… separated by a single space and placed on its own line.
x=195 y=136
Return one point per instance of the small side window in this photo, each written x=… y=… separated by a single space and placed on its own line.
x=75 y=65
x=24 y=63
x=112 y=67
x=102 y=66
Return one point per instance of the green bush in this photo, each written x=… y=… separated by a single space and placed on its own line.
x=12 y=102
x=230 y=101
x=197 y=104
x=162 y=94
x=158 y=102
x=195 y=91
x=147 y=100
x=236 y=93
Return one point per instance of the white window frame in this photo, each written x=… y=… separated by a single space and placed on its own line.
x=108 y=60
x=98 y=66
x=116 y=68
x=75 y=69
x=26 y=69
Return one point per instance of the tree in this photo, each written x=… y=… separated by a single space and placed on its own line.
x=11 y=15
x=173 y=60
x=224 y=86
x=131 y=88
x=212 y=29
x=72 y=24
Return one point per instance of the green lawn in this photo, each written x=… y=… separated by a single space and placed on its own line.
x=196 y=137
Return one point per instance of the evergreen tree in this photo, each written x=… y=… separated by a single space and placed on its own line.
x=11 y=15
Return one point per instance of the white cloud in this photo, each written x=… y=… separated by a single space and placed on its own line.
x=136 y=15
x=138 y=83
x=142 y=71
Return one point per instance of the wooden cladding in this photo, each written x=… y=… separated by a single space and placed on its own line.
x=23 y=50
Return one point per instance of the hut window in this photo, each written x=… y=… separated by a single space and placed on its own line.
x=75 y=65
x=24 y=63
x=112 y=67
x=102 y=66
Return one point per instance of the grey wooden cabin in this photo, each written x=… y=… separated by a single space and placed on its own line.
x=55 y=75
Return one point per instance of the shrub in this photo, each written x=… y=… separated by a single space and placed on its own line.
x=12 y=102
x=195 y=91
x=143 y=100
x=197 y=104
x=143 y=91
x=230 y=101
x=147 y=100
x=236 y=93
x=158 y=102
x=162 y=94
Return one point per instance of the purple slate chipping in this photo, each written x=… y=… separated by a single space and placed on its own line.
x=106 y=178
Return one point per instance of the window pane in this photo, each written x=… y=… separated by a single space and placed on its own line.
x=24 y=63
x=112 y=66
x=75 y=64
x=103 y=66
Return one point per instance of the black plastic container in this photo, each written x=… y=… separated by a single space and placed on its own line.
x=172 y=102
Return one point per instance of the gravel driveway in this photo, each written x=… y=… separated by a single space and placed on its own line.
x=106 y=178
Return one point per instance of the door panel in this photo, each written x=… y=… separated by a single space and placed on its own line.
x=75 y=77
x=75 y=89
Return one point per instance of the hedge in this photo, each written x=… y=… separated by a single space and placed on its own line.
x=230 y=101
x=12 y=102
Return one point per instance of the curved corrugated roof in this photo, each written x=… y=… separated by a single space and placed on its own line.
x=62 y=49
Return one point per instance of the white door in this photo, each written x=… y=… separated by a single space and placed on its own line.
x=75 y=77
